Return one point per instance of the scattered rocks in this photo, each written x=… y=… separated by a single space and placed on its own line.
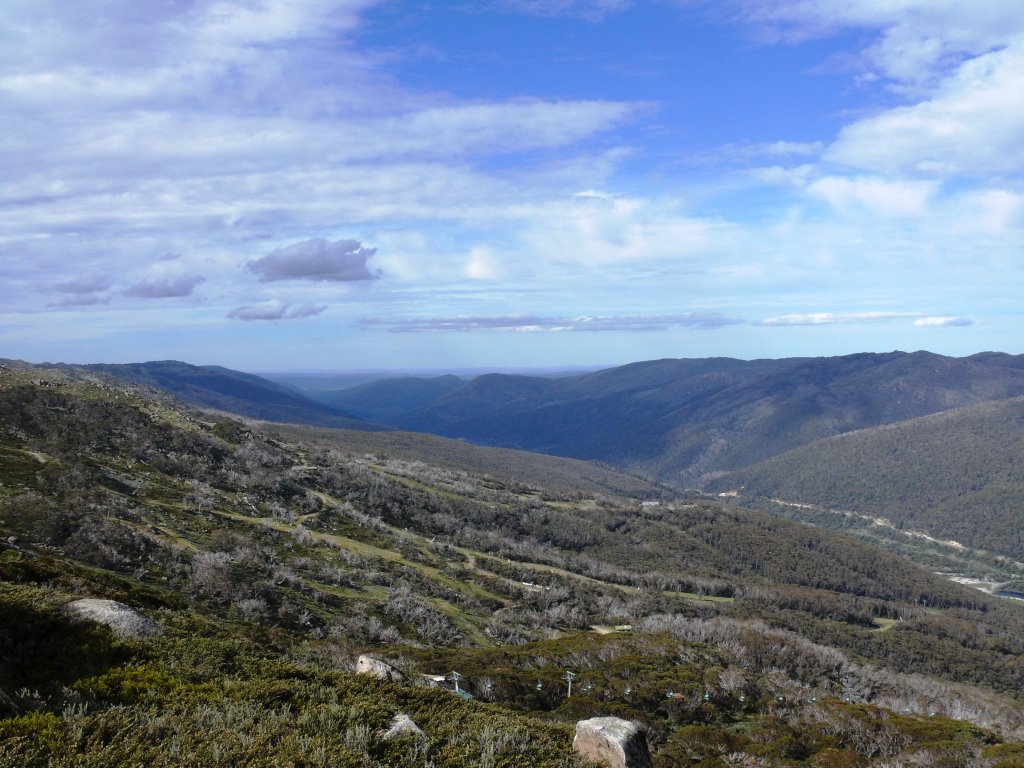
x=124 y=620
x=402 y=726
x=367 y=665
x=612 y=741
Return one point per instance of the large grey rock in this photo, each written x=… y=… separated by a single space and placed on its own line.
x=367 y=665
x=401 y=726
x=612 y=741
x=123 y=619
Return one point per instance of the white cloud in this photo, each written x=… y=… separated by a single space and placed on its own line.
x=538 y=323
x=317 y=260
x=219 y=130
x=874 y=195
x=959 y=67
x=214 y=129
x=944 y=322
x=833 y=318
x=454 y=131
x=972 y=125
x=918 y=40
x=595 y=230
x=777 y=175
x=275 y=309
x=483 y=264
x=990 y=211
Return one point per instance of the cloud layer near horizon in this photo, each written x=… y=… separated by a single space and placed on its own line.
x=536 y=324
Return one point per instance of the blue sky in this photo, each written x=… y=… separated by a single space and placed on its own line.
x=360 y=184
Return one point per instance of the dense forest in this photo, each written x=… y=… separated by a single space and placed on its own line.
x=957 y=475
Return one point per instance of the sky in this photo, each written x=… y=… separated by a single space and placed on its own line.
x=329 y=185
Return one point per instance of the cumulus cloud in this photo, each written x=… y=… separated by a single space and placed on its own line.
x=202 y=127
x=944 y=322
x=915 y=38
x=601 y=229
x=200 y=122
x=317 y=260
x=537 y=323
x=970 y=125
x=275 y=309
x=956 y=63
x=874 y=195
x=164 y=287
x=833 y=318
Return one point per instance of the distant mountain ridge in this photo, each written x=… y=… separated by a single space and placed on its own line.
x=212 y=386
x=390 y=397
x=684 y=421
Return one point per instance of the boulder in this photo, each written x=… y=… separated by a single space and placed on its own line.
x=612 y=741
x=124 y=620
x=402 y=726
x=367 y=665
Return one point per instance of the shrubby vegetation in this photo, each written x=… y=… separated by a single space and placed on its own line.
x=272 y=562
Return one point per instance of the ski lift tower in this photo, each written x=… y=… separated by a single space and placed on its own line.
x=569 y=678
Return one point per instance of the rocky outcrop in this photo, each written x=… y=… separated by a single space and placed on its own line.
x=124 y=620
x=367 y=665
x=612 y=741
x=402 y=726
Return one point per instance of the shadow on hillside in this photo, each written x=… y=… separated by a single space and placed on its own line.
x=43 y=650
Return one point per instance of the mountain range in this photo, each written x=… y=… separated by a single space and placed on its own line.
x=676 y=421
x=681 y=421
x=267 y=558
x=800 y=430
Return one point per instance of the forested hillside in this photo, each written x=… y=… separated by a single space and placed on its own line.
x=270 y=561
x=381 y=400
x=957 y=475
x=682 y=421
